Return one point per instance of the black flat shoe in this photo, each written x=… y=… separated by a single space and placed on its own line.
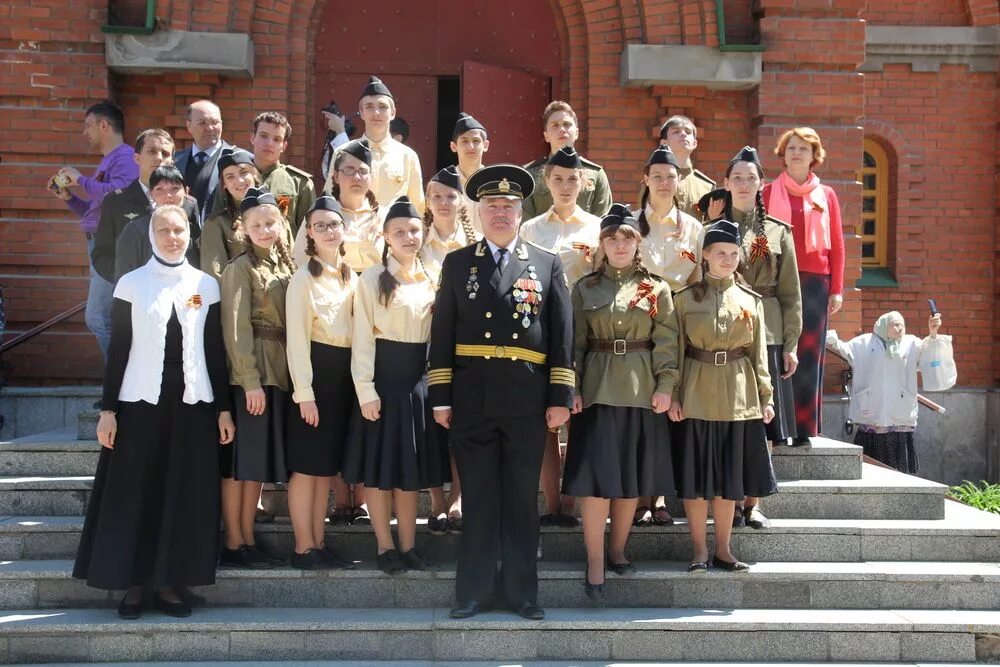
x=312 y=559
x=246 y=558
x=175 y=609
x=438 y=525
x=455 y=525
x=468 y=609
x=661 y=517
x=739 y=521
x=530 y=611
x=594 y=592
x=190 y=599
x=548 y=520
x=341 y=516
x=801 y=442
x=620 y=568
x=263 y=516
x=361 y=517
x=737 y=566
x=414 y=561
x=130 y=611
x=567 y=521
x=260 y=552
x=698 y=567
x=754 y=518
x=335 y=560
x=390 y=562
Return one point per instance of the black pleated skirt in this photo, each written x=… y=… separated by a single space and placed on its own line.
x=782 y=426
x=893 y=449
x=153 y=516
x=259 y=449
x=722 y=459
x=618 y=452
x=405 y=448
x=320 y=451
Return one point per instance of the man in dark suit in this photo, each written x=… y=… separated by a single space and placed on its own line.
x=197 y=162
x=500 y=374
x=153 y=148
x=134 y=248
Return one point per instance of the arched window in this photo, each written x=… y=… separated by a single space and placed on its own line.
x=874 y=205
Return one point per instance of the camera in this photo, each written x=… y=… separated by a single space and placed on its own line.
x=335 y=110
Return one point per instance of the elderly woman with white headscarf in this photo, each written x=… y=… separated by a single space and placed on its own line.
x=152 y=524
x=884 y=385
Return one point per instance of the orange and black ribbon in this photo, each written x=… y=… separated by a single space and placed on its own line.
x=759 y=248
x=644 y=292
x=194 y=302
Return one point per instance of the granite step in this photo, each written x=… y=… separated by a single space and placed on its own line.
x=494 y=663
x=42 y=584
x=61 y=453
x=674 y=634
x=880 y=493
x=964 y=534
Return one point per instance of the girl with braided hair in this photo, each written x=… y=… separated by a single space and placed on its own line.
x=395 y=448
x=253 y=323
x=670 y=247
x=767 y=263
x=626 y=365
x=320 y=325
x=447 y=227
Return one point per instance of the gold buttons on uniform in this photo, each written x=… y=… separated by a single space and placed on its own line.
x=619 y=321
x=514 y=336
x=489 y=315
x=488 y=334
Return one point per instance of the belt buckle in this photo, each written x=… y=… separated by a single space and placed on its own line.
x=619 y=346
x=724 y=358
x=500 y=352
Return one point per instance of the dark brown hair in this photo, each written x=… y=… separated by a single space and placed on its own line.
x=315 y=268
x=628 y=231
x=274 y=118
x=335 y=186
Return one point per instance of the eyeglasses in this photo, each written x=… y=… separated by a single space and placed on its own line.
x=324 y=227
x=351 y=172
x=208 y=122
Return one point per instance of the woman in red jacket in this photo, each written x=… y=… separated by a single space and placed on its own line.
x=798 y=197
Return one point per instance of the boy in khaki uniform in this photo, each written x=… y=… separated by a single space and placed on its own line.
x=292 y=188
x=681 y=136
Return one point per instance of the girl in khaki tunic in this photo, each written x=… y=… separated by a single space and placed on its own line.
x=724 y=397
x=320 y=322
x=253 y=323
x=447 y=227
x=767 y=263
x=626 y=368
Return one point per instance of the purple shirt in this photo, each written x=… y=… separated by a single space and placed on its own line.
x=116 y=170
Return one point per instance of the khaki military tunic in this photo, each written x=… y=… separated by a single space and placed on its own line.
x=293 y=188
x=594 y=197
x=220 y=243
x=775 y=277
x=608 y=309
x=254 y=297
x=729 y=317
x=575 y=239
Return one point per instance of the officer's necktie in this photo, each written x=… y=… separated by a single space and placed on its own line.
x=500 y=259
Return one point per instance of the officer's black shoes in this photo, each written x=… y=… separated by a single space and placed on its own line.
x=390 y=562
x=468 y=609
x=530 y=611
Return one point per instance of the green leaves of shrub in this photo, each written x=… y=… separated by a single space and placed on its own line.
x=983 y=496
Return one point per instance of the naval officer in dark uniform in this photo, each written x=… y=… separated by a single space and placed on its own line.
x=501 y=373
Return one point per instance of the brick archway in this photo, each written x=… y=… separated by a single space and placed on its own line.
x=984 y=12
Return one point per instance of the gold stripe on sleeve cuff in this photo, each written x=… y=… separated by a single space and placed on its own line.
x=562 y=376
x=439 y=376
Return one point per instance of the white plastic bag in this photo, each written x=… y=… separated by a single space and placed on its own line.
x=937 y=364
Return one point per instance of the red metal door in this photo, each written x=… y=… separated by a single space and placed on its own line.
x=509 y=103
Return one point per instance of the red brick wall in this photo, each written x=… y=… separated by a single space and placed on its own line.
x=943 y=228
x=907 y=12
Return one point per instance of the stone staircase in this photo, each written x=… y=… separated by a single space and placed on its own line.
x=861 y=565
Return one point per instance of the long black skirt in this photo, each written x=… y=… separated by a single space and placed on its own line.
x=807 y=383
x=153 y=516
x=722 y=459
x=618 y=452
x=404 y=448
x=893 y=449
x=319 y=451
x=259 y=449
x=782 y=426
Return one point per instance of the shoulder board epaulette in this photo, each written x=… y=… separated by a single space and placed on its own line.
x=542 y=248
x=655 y=277
x=777 y=221
x=537 y=163
x=590 y=163
x=749 y=291
x=588 y=275
x=684 y=289
x=297 y=171
x=703 y=177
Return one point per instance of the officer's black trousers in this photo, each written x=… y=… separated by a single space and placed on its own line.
x=499 y=461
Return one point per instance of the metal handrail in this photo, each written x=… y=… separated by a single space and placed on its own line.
x=34 y=331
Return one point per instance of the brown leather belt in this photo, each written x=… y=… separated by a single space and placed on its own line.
x=766 y=291
x=619 y=345
x=719 y=358
x=269 y=333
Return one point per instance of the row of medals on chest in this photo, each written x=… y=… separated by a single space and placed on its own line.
x=527 y=293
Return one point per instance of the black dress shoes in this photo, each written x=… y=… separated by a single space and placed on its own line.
x=175 y=609
x=468 y=609
x=130 y=610
x=530 y=611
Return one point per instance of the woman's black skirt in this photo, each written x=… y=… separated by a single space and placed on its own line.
x=722 y=459
x=319 y=451
x=259 y=449
x=404 y=448
x=618 y=452
x=807 y=383
x=893 y=449
x=782 y=426
x=153 y=515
